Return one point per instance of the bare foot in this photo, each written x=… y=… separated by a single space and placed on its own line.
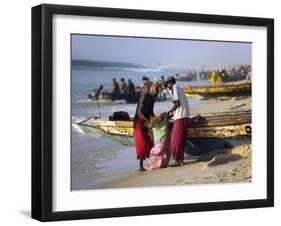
x=141 y=169
x=175 y=164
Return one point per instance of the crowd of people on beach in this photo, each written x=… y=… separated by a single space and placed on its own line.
x=217 y=76
x=225 y=73
x=122 y=89
x=128 y=90
x=155 y=139
x=189 y=76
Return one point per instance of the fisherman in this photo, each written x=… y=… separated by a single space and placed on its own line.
x=96 y=93
x=146 y=84
x=131 y=88
x=131 y=91
x=224 y=74
x=162 y=80
x=162 y=91
x=123 y=88
x=219 y=78
x=115 y=89
x=213 y=78
x=180 y=113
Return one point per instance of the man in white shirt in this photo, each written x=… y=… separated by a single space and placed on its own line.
x=180 y=113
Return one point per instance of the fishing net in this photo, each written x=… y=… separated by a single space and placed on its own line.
x=158 y=127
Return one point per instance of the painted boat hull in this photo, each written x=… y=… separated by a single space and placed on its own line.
x=215 y=125
x=223 y=89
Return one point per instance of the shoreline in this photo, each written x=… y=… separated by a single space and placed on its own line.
x=223 y=166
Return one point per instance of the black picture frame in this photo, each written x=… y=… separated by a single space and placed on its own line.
x=42 y=111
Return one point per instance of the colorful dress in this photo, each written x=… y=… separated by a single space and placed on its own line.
x=160 y=153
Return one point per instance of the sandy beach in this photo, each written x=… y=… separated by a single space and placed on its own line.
x=224 y=166
x=222 y=104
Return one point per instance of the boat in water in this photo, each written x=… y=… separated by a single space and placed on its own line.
x=105 y=95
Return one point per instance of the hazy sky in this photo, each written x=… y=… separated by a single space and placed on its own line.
x=159 y=51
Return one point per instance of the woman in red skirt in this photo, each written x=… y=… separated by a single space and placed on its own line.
x=144 y=111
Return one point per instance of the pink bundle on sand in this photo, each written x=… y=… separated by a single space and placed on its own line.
x=160 y=153
x=159 y=156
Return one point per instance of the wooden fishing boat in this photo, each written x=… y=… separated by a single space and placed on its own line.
x=213 y=125
x=244 y=88
x=105 y=96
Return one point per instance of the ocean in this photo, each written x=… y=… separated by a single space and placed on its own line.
x=97 y=160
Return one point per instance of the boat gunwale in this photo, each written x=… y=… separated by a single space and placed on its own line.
x=195 y=124
x=233 y=88
x=129 y=135
x=218 y=123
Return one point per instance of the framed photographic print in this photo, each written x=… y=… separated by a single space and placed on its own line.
x=145 y=112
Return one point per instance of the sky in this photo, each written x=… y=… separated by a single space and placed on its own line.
x=153 y=51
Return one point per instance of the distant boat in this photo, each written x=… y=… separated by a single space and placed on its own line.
x=105 y=96
x=234 y=89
